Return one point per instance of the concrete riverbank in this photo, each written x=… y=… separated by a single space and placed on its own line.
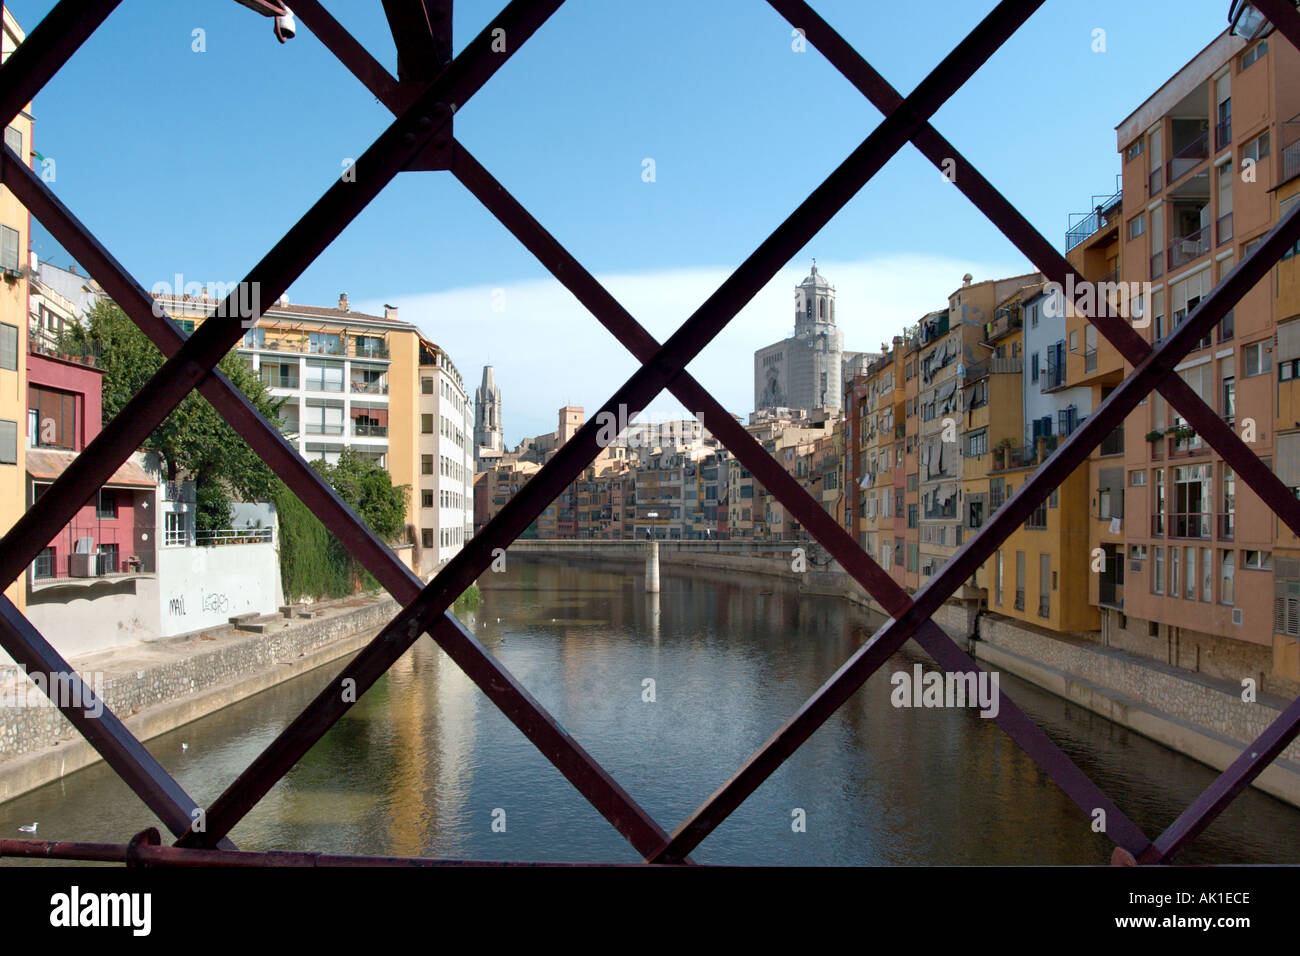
x=160 y=685
x=1202 y=717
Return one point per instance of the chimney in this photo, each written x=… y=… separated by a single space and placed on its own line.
x=72 y=267
x=390 y=312
x=283 y=300
x=966 y=280
x=343 y=302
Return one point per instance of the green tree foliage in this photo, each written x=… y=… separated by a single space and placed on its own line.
x=193 y=440
x=312 y=561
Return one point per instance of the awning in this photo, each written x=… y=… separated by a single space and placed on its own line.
x=44 y=464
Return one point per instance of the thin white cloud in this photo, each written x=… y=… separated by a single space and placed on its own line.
x=548 y=351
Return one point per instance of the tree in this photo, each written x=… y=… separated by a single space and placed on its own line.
x=193 y=440
x=369 y=491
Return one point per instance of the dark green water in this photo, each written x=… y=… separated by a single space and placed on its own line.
x=422 y=763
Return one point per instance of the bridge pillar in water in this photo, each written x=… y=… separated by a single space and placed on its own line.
x=652 y=568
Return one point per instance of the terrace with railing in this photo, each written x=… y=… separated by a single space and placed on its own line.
x=1188 y=158
x=1291 y=148
x=1105 y=209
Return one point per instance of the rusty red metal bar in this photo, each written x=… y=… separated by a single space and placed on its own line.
x=667 y=363
x=60 y=34
x=1071 y=453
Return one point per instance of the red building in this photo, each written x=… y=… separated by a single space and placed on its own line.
x=113 y=533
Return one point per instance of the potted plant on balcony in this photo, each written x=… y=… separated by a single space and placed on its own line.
x=1154 y=436
x=1000 y=453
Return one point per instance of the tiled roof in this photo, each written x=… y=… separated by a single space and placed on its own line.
x=45 y=464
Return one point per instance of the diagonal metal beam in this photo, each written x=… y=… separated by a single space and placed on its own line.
x=331 y=214
x=880 y=585
x=1132 y=346
x=361 y=542
x=349 y=52
x=1072 y=453
x=105 y=732
x=663 y=368
x=51 y=43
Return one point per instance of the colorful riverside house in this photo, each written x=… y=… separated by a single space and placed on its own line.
x=1286 y=549
x=1040 y=574
x=1189 y=578
x=15 y=228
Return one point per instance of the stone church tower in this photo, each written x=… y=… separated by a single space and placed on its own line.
x=488 y=433
x=804 y=372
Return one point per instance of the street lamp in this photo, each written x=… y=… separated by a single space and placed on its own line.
x=652 y=515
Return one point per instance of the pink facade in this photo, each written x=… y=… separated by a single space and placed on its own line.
x=113 y=532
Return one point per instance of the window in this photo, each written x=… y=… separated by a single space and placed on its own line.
x=1257 y=148
x=106 y=506
x=1158 y=569
x=977 y=444
x=1189 y=559
x=8 y=346
x=426 y=537
x=1033 y=367
x=8 y=248
x=14 y=140
x=1259 y=358
x=426 y=499
x=1037 y=519
x=426 y=464
x=1225 y=577
x=175 y=530
x=8 y=442
x=1258 y=560
x=426 y=424
x=1137 y=479
x=1207 y=576
x=1137 y=225
x=1253 y=54
x=426 y=386
x=55 y=417
x=44 y=565
x=997 y=580
x=1173 y=572
x=1074 y=340
x=1134 y=151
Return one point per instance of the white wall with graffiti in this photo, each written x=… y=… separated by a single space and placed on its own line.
x=206 y=587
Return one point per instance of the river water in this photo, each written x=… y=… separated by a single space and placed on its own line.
x=424 y=765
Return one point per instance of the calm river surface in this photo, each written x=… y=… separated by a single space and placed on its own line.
x=420 y=764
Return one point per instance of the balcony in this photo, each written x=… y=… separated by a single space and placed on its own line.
x=1291 y=148
x=369 y=388
x=82 y=353
x=1189 y=248
x=369 y=431
x=1090 y=360
x=369 y=350
x=1155 y=182
x=1113 y=444
x=1223 y=229
x=225 y=536
x=182 y=491
x=1190 y=524
x=1005 y=320
x=1189 y=157
x=316 y=428
x=1104 y=210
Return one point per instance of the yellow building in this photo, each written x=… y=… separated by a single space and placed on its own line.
x=15 y=222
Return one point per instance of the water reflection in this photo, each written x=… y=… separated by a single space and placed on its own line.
x=424 y=764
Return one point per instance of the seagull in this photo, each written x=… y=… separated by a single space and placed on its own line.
x=30 y=829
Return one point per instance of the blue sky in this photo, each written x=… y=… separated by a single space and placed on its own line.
x=196 y=163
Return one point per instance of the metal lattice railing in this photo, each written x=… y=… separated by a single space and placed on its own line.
x=421 y=137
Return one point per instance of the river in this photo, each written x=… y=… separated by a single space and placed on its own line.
x=423 y=765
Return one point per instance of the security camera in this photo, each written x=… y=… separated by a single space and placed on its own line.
x=284 y=26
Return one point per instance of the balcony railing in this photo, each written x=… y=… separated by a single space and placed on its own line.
x=369 y=431
x=1188 y=248
x=1113 y=444
x=1090 y=360
x=1225 y=525
x=1103 y=210
x=1158 y=265
x=182 y=491
x=83 y=353
x=362 y=350
x=1020 y=599
x=316 y=428
x=224 y=536
x=1155 y=182
x=1189 y=524
x=370 y=388
x=1189 y=157
x=1044 y=606
x=1291 y=148
x=280 y=381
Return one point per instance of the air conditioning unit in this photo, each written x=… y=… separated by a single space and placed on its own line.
x=83 y=565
